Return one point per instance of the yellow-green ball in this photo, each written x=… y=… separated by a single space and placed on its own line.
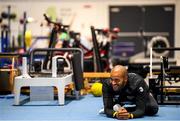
x=96 y=89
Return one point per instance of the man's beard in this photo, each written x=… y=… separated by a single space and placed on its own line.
x=116 y=88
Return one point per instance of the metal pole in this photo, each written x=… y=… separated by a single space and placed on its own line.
x=151 y=62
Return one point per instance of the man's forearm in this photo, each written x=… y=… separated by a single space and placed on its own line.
x=137 y=113
x=109 y=112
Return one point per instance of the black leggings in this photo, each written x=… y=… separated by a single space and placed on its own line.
x=151 y=106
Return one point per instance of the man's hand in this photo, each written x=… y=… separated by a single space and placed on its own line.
x=122 y=114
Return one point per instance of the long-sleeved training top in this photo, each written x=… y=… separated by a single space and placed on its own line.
x=135 y=91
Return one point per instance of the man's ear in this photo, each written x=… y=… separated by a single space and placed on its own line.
x=126 y=77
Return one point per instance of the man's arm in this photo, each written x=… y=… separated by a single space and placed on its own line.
x=108 y=106
x=141 y=98
x=108 y=101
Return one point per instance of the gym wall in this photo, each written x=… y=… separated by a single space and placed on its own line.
x=80 y=13
x=143 y=26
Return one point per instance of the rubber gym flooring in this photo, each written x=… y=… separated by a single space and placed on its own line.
x=84 y=109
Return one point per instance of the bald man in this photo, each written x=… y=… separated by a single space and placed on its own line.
x=123 y=88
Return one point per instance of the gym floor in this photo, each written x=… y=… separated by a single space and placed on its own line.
x=85 y=109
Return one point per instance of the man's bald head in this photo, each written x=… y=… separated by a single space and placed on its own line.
x=118 y=77
x=119 y=70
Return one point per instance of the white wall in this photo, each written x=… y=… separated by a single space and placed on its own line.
x=77 y=13
x=80 y=13
x=177 y=30
x=83 y=12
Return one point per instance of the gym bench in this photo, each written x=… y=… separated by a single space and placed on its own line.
x=58 y=82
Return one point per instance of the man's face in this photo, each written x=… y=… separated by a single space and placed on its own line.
x=117 y=82
x=118 y=77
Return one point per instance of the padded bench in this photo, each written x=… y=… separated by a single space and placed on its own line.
x=58 y=82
